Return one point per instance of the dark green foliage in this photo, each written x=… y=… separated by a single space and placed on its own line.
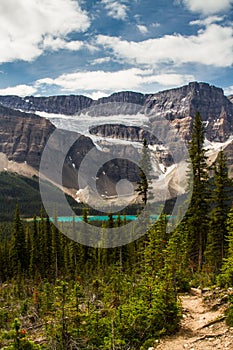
x=217 y=243
x=118 y=308
x=14 y=188
x=145 y=174
x=197 y=215
x=225 y=279
x=229 y=312
x=19 y=253
x=17 y=339
x=19 y=189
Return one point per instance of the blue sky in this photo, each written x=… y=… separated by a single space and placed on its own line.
x=97 y=47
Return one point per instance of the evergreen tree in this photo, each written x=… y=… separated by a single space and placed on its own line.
x=34 y=253
x=198 y=210
x=19 y=253
x=144 y=173
x=225 y=279
x=55 y=250
x=177 y=260
x=154 y=253
x=217 y=243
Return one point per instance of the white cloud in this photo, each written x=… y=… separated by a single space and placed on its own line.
x=97 y=84
x=115 y=9
x=208 y=7
x=143 y=29
x=155 y=25
x=96 y=95
x=228 y=90
x=101 y=81
x=212 y=46
x=207 y=21
x=101 y=60
x=26 y=27
x=19 y=90
x=170 y=79
x=58 y=43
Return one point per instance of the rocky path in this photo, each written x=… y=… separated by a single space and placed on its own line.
x=203 y=325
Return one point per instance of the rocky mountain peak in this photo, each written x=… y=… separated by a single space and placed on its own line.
x=62 y=104
x=181 y=103
x=178 y=105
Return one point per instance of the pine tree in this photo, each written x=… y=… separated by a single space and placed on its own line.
x=225 y=279
x=216 y=243
x=154 y=254
x=198 y=210
x=34 y=253
x=177 y=260
x=144 y=174
x=19 y=253
x=55 y=250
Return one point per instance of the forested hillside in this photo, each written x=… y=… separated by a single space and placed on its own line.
x=25 y=191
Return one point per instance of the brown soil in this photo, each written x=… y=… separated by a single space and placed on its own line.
x=203 y=325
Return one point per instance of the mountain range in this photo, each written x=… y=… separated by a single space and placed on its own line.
x=123 y=119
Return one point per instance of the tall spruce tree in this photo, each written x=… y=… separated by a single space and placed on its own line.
x=198 y=209
x=144 y=173
x=154 y=252
x=216 y=242
x=19 y=253
x=225 y=279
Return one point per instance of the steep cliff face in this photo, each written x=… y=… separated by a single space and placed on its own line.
x=123 y=97
x=186 y=100
x=123 y=132
x=23 y=136
x=178 y=104
x=67 y=105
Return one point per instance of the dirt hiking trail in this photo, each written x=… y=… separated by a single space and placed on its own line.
x=203 y=325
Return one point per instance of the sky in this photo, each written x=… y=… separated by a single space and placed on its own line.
x=97 y=47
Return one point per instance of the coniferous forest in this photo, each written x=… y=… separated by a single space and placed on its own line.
x=58 y=294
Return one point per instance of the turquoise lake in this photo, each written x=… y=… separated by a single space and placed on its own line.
x=102 y=218
x=98 y=218
x=94 y=218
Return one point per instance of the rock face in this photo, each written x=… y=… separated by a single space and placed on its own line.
x=67 y=105
x=187 y=100
x=229 y=153
x=123 y=132
x=177 y=105
x=23 y=136
x=74 y=104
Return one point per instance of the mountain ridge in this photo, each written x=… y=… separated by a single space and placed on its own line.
x=173 y=104
x=53 y=103
x=23 y=134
